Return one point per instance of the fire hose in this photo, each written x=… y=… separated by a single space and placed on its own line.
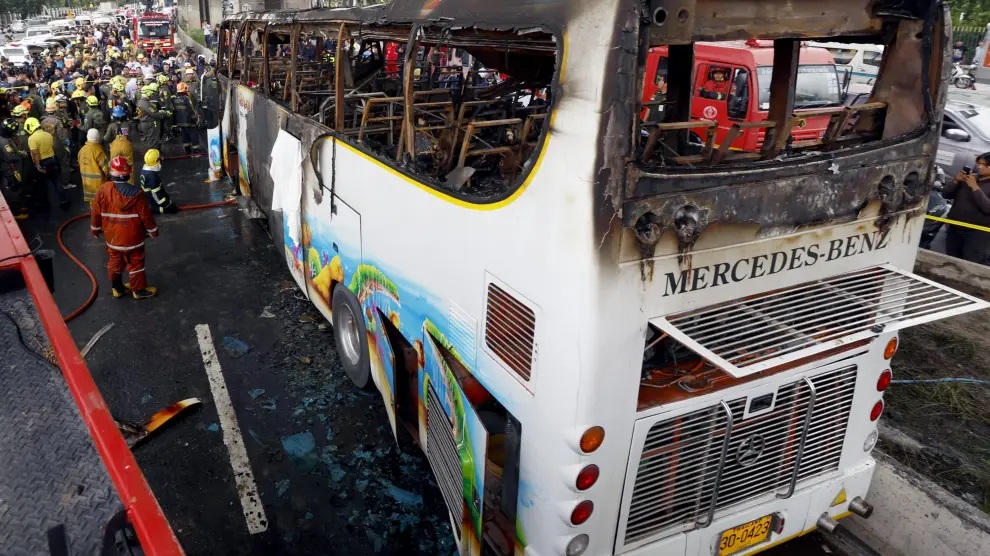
x=92 y=278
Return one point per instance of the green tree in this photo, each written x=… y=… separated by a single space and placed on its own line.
x=970 y=13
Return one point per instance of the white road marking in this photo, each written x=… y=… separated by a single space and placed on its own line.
x=254 y=511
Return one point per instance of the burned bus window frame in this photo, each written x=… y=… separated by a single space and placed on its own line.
x=432 y=100
x=672 y=147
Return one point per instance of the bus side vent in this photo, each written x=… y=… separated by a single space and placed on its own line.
x=441 y=451
x=510 y=331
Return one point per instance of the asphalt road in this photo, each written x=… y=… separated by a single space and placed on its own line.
x=329 y=475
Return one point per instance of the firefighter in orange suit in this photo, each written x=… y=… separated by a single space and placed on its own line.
x=120 y=211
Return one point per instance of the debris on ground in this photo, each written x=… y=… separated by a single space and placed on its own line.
x=213 y=427
x=255 y=392
x=266 y=313
x=301 y=449
x=281 y=487
x=234 y=346
x=96 y=337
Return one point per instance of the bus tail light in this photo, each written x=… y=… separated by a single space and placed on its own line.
x=592 y=439
x=582 y=512
x=876 y=411
x=587 y=477
x=891 y=348
x=577 y=546
x=884 y=381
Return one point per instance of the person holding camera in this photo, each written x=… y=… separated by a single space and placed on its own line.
x=971 y=194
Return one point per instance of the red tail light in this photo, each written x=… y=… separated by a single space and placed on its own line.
x=876 y=411
x=884 y=381
x=582 y=512
x=587 y=477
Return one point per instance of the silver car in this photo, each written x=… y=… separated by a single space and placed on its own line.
x=18 y=27
x=965 y=135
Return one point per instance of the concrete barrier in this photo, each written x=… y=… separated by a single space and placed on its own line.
x=200 y=49
x=940 y=267
x=915 y=517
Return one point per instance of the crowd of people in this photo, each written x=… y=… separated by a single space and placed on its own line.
x=85 y=104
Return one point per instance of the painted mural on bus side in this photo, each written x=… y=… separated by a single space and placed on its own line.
x=325 y=258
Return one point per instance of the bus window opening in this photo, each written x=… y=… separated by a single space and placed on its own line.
x=726 y=114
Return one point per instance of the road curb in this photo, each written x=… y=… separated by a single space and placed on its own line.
x=912 y=515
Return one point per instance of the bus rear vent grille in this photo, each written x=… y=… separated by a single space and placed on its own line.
x=510 y=331
x=441 y=451
x=712 y=458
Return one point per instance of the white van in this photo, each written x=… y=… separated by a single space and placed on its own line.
x=862 y=60
x=16 y=55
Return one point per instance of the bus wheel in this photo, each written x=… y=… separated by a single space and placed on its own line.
x=351 y=336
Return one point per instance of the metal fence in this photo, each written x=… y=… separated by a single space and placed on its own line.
x=970 y=36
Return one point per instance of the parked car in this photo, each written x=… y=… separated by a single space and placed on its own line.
x=37 y=32
x=965 y=134
x=18 y=27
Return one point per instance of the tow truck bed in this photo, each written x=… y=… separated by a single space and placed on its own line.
x=51 y=475
x=69 y=484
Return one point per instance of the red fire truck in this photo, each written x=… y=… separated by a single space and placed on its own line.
x=732 y=85
x=69 y=483
x=152 y=29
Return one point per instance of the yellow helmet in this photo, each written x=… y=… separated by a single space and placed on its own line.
x=19 y=111
x=80 y=82
x=78 y=93
x=92 y=100
x=51 y=104
x=57 y=85
x=31 y=125
x=152 y=157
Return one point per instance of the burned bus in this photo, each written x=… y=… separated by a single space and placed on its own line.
x=609 y=334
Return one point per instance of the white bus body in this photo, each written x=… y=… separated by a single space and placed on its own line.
x=531 y=311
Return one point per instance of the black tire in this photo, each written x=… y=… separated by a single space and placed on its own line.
x=351 y=337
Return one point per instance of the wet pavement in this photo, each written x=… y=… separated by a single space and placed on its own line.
x=329 y=474
x=330 y=477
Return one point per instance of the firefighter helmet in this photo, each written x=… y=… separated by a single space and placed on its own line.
x=118 y=111
x=31 y=125
x=10 y=124
x=92 y=101
x=152 y=157
x=163 y=79
x=51 y=104
x=18 y=111
x=119 y=167
x=78 y=93
x=182 y=88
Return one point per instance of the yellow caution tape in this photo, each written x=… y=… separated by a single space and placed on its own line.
x=957 y=223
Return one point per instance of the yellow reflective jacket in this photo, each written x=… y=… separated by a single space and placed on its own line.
x=121 y=146
x=93 y=169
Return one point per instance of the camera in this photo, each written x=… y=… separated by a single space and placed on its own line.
x=967 y=169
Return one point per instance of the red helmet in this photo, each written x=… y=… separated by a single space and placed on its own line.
x=120 y=167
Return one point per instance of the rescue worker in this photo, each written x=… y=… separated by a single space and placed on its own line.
x=189 y=77
x=54 y=125
x=121 y=146
x=118 y=121
x=121 y=213
x=151 y=183
x=149 y=119
x=94 y=117
x=35 y=99
x=12 y=171
x=42 y=147
x=186 y=118
x=92 y=165
x=717 y=87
